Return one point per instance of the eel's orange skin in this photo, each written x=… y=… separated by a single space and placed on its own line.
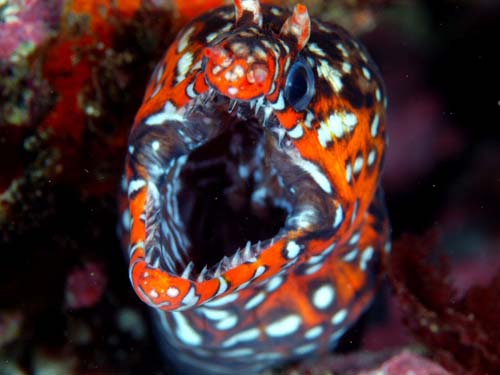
x=300 y=292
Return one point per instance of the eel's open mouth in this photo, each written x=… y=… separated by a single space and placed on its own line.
x=226 y=195
x=231 y=200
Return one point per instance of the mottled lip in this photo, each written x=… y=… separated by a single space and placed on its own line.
x=232 y=201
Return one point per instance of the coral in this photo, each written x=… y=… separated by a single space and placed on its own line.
x=463 y=334
x=407 y=363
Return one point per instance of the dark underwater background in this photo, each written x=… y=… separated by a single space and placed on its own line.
x=72 y=75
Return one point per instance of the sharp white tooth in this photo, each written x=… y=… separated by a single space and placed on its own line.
x=236 y=259
x=258 y=104
x=156 y=263
x=247 y=252
x=201 y=276
x=232 y=105
x=187 y=270
x=267 y=113
x=218 y=270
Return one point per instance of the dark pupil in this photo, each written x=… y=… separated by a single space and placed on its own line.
x=298 y=85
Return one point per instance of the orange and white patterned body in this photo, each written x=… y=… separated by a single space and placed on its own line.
x=289 y=113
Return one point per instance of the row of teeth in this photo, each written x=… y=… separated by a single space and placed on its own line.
x=247 y=254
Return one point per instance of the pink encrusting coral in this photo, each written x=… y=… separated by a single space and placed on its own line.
x=461 y=332
x=407 y=363
x=25 y=24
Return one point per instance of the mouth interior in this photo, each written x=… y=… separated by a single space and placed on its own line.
x=227 y=194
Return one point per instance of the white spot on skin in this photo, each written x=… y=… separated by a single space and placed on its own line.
x=280 y=102
x=184 y=331
x=305 y=349
x=172 y=291
x=227 y=323
x=247 y=335
x=159 y=74
x=366 y=73
x=153 y=294
x=371 y=157
x=274 y=283
x=268 y=356
x=339 y=317
x=354 y=239
x=339 y=216
x=259 y=271
x=354 y=211
x=358 y=164
x=311 y=61
x=276 y=11
x=350 y=256
x=314 y=333
x=346 y=67
x=292 y=250
x=315 y=259
x=184 y=40
x=287 y=64
x=348 y=172
x=190 y=90
x=211 y=36
x=190 y=298
x=156 y=91
x=308 y=120
x=232 y=90
x=332 y=75
x=342 y=50
x=313 y=170
x=223 y=300
x=155 y=145
x=238 y=71
x=214 y=35
x=337 y=335
x=126 y=219
x=255 y=301
x=323 y=296
x=222 y=285
x=313 y=269
x=329 y=249
x=337 y=124
x=237 y=353
x=214 y=314
x=183 y=66
x=133 y=249
x=366 y=256
x=324 y=135
x=374 y=126
x=387 y=247
x=284 y=326
x=314 y=48
x=169 y=113
x=135 y=185
x=243 y=171
x=296 y=132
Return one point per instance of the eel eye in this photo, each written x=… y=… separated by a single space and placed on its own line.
x=299 y=85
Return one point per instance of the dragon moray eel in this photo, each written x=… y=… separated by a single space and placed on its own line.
x=254 y=220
